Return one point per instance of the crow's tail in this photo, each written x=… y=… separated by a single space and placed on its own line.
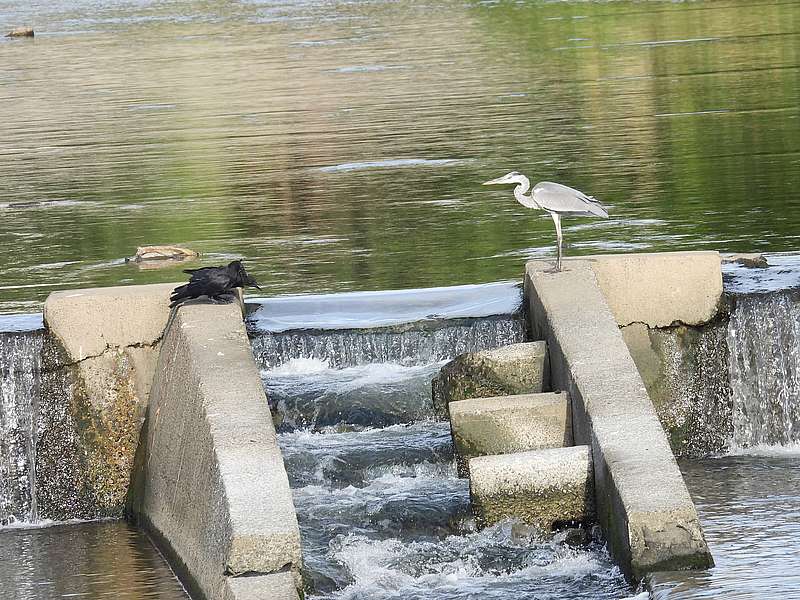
x=179 y=294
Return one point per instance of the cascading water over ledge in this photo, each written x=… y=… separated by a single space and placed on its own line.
x=21 y=341
x=763 y=339
x=43 y=467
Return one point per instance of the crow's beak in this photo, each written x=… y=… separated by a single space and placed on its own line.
x=496 y=181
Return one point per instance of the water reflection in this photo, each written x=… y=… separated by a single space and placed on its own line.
x=224 y=127
x=87 y=560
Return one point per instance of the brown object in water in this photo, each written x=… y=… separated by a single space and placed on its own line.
x=145 y=254
x=20 y=32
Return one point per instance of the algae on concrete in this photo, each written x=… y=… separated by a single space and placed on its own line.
x=685 y=371
x=512 y=369
x=103 y=349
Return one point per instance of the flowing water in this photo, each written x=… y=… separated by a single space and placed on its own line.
x=341 y=145
x=382 y=512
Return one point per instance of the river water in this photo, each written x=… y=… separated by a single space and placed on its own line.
x=341 y=145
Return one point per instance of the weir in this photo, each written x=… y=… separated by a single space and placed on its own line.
x=642 y=502
x=354 y=415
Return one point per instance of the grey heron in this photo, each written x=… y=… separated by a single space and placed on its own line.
x=558 y=200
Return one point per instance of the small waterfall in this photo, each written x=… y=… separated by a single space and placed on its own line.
x=764 y=342
x=20 y=382
x=412 y=344
x=351 y=360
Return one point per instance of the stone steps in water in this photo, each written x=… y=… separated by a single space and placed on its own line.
x=507 y=424
x=516 y=437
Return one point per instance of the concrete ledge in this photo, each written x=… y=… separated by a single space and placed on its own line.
x=642 y=502
x=658 y=289
x=279 y=586
x=505 y=424
x=545 y=488
x=210 y=479
x=508 y=370
x=90 y=322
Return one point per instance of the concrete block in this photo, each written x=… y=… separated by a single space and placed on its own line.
x=512 y=369
x=210 y=481
x=89 y=322
x=505 y=424
x=658 y=289
x=278 y=586
x=545 y=488
x=643 y=505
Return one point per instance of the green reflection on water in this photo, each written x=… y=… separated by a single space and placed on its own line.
x=206 y=124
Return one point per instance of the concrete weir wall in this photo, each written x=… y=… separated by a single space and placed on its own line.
x=642 y=502
x=170 y=416
x=210 y=481
x=108 y=342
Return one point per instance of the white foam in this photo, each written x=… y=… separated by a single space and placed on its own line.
x=299 y=366
x=454 y=563
x=391 y=163
x=776 y=450
x=307 y=373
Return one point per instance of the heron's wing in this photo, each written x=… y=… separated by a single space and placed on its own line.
x=566 y=200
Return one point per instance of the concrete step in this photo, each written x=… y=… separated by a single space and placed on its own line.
x=512 y=369
x=506 y=424
x=545 y=488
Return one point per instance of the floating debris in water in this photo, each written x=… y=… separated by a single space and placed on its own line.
x=20 y=32
x=155 y=257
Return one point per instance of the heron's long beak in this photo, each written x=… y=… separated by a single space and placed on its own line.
x=496 y=181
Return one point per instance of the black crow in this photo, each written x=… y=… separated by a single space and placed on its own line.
x=217 y=283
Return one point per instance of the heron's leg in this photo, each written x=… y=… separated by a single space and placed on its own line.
x=557 y=221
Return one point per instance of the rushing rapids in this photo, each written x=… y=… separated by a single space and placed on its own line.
x=382 y=512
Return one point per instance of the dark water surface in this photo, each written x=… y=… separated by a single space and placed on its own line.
x=341 y=145
x=87 y=560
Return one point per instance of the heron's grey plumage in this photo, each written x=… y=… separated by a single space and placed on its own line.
x=557 y=199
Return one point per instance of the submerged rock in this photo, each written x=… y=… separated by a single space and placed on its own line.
x=161 y=253
x=19 y=32
x=504 y=371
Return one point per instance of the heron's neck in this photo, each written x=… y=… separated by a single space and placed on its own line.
x=519 y=194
